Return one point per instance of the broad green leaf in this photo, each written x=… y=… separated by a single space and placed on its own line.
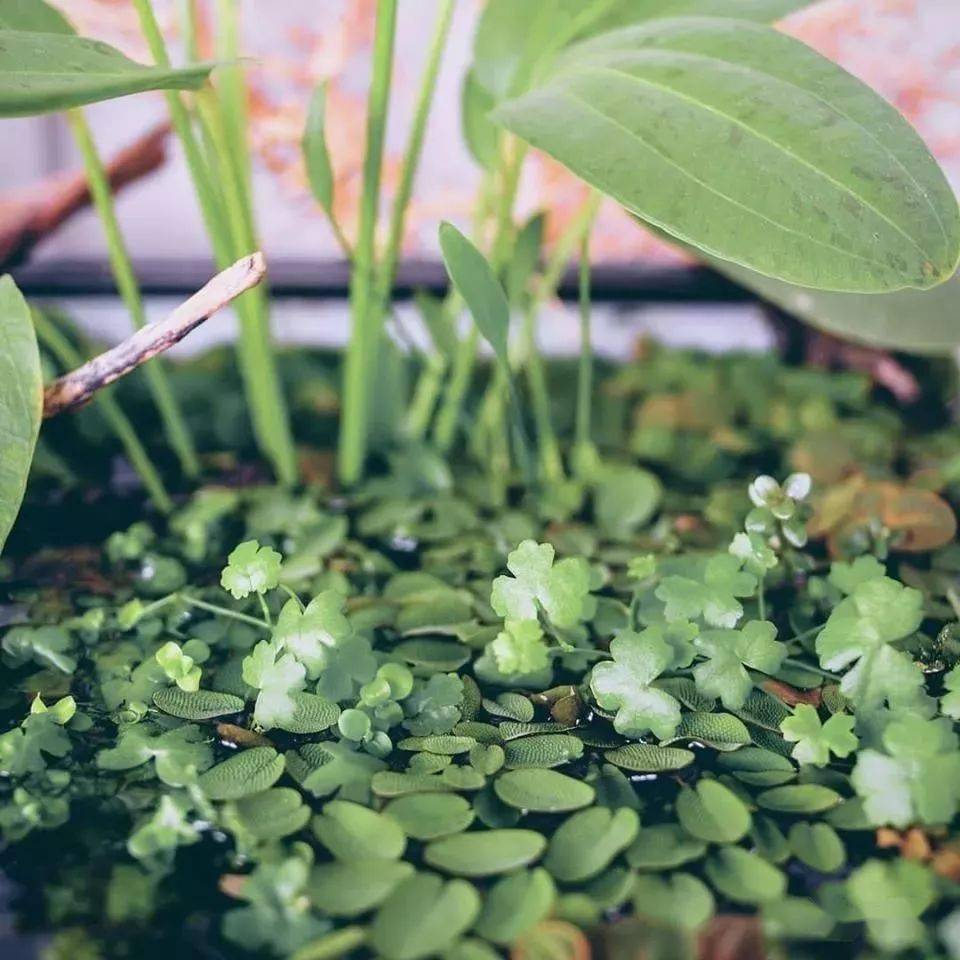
x=483 y=853
x=545 y=750
x=763 y=153
x=46 y=72
x=648 y=758
x=915 y=321
x=21 y=401
x=473 y=278
x=891 y=897
x=479 y=134
x=33 y=15
x=818 y=846
x=513 y=40
x=316 y=156
x=270 y=815
x=799 y=798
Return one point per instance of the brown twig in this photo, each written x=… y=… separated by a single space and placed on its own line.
x=77 y=387
x=28 y=216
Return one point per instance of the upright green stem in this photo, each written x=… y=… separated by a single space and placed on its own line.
x=68 y=356
x=582 y=431
x=175 y=427
x=231 y=236
x=364 y=344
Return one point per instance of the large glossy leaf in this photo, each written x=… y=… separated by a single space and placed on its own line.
x=42 y=72
x=21 y=401
x=513 y=40
x=751 y=147
x=917 y=321
x=36 y=15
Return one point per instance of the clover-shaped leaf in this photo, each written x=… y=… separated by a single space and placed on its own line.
x=891 y=898
x=251 y=569
x=47 y=646
x=846 y=577
x=625 y=684
x=860 y=630
x=714 y=598
x=815 y=741
x=950 y=701
x=434 y=705
x=179 y=754
x=915 y=779
x=309 y=633
x=276 y=675
x=179 y=666
x=561 y=590
x=520 y=648
x=723 y=674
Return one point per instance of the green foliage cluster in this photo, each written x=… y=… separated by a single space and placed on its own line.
x=525 y=721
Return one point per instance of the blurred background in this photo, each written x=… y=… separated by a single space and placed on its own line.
x=908 y=50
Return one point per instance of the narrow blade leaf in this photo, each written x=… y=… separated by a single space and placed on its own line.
x=751 y=147
x=44 y=72
x=21 y=401
x=474 y=279
x=316 y=155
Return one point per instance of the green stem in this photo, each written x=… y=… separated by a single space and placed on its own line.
x=364 y=343
x=806 y=633
x=175 y=427
x=292 y=595
x=425 y=395
x=224 y=612
x=585 y=369
x=68 y=356
x=810 y=668
x=255 y=353
x=761 y=600
x=551 y=466
x=265 y=610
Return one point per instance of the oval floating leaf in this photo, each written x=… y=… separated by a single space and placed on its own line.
x=722 y=731
x=349 y=889
x=443 y=744
x=311 y=714
x=818 y=846
x=545 y=750
x=354 y=832
x=543 y=791
x=678 y=901
x=648 y=758
x=586 y=843
x=744 y=877
x=249 y=772
x=200 y=705
x=799 y=798
x=21 y=401
x=423 y=916
x=427 y=816
x=664 y=847
x=515 y=904
x=485 y=852
x=828 y=186
x=270 y=815
x=712 y=812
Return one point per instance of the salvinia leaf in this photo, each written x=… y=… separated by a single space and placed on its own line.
x=763 y=153
x=21 y=401
x=46 y=72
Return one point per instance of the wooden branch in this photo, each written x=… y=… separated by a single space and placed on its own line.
x=28 y=216
x=77 y=387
